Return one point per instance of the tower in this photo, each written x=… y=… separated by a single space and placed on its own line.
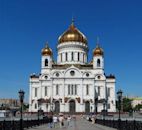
x=46 y=60
x=98 y=58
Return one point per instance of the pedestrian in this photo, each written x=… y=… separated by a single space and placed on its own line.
x=50 y=121
x=55 y=121
x=93 y=119
x=68 y=120
x=61 y=121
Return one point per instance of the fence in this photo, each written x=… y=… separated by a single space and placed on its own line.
x=15 y=125
x=121 y=124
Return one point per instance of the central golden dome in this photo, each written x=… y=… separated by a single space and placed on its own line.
x=72 y=34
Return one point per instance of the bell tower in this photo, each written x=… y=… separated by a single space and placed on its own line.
x=46 y=60
x=98 y=58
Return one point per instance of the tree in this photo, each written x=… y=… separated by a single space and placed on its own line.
x=138 y=107
x=127 y=106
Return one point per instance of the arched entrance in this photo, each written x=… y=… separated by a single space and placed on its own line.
x=57 y=107
x=72 y=106
x=87 y=107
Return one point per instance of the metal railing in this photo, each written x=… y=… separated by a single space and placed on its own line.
x=15 y=124
x=121 y=124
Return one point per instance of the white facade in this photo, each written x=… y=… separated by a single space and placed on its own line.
x=72 y=84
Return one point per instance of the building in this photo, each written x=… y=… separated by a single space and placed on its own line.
x=136 y=101
x=72 y=84
x=9 y=103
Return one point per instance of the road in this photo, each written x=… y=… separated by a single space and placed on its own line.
x=79 y=124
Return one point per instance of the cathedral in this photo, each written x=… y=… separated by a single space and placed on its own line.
x=72 y=84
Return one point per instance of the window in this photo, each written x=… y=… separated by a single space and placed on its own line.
x=98 y=63
x=78 y=56
x=68 y=89
x=72 y=58
x=99 y=91
x=46 y=106
x=108 y=106
x=57 y=74
x=87 y=74
x=46 y=77
x=46 y=62
x=75 y=89
x=87 y=89
x=66 y=56
x=61 y=57
x=108 y=92
x=83 y=58
x=45 y=90
x=57 y=89
x=35 y=106
x=72 y=89
x=35 y=92
x=99 y=77
x=72 y=73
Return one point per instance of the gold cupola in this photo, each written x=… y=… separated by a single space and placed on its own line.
x=46 y=51
x=72 y=34
x=98 y=51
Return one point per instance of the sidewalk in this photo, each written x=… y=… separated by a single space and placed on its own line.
x=75 y=125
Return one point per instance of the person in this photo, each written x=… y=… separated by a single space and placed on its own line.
x=93 y=119
x=61 y=120
x=55 y=121
x=68 y=120
x=50 y=121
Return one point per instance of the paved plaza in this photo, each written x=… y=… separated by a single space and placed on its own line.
x=79 y=124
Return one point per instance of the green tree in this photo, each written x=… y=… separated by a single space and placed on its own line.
x=127 y=106
x=138 y=107
x=25 y=107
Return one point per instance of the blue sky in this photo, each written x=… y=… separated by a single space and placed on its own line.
x=25 y=26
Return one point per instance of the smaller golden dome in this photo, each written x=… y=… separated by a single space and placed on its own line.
x=98 y=51
x=46 y=51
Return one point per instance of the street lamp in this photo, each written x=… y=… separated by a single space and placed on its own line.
x=96 y=103
x=21 y=97
x=119 y=96
x=38 y=111
x=104 y=111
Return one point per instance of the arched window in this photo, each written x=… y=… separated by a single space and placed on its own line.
x=98 y=63
x=78 y=56
x=57 y=89
x=66 y=56
x=87 y=89
x=61 y=57
x=35 y=106
x=45 y=90
x=83 y=58
x=72 y=58
x=46 y=62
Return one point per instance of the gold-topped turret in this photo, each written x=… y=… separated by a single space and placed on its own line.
x=72 y=34
x=98 y=51
x=46 y=50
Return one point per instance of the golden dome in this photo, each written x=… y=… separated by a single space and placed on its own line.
x=98 y=51
x=46 y=51
x=72 y=34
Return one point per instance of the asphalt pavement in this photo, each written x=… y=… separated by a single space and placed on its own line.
x=79 y=124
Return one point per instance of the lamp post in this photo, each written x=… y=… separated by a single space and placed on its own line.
x=38 y=111
x=119 y=96
x=104 y=111
x=21 y=97
x=96 y=103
